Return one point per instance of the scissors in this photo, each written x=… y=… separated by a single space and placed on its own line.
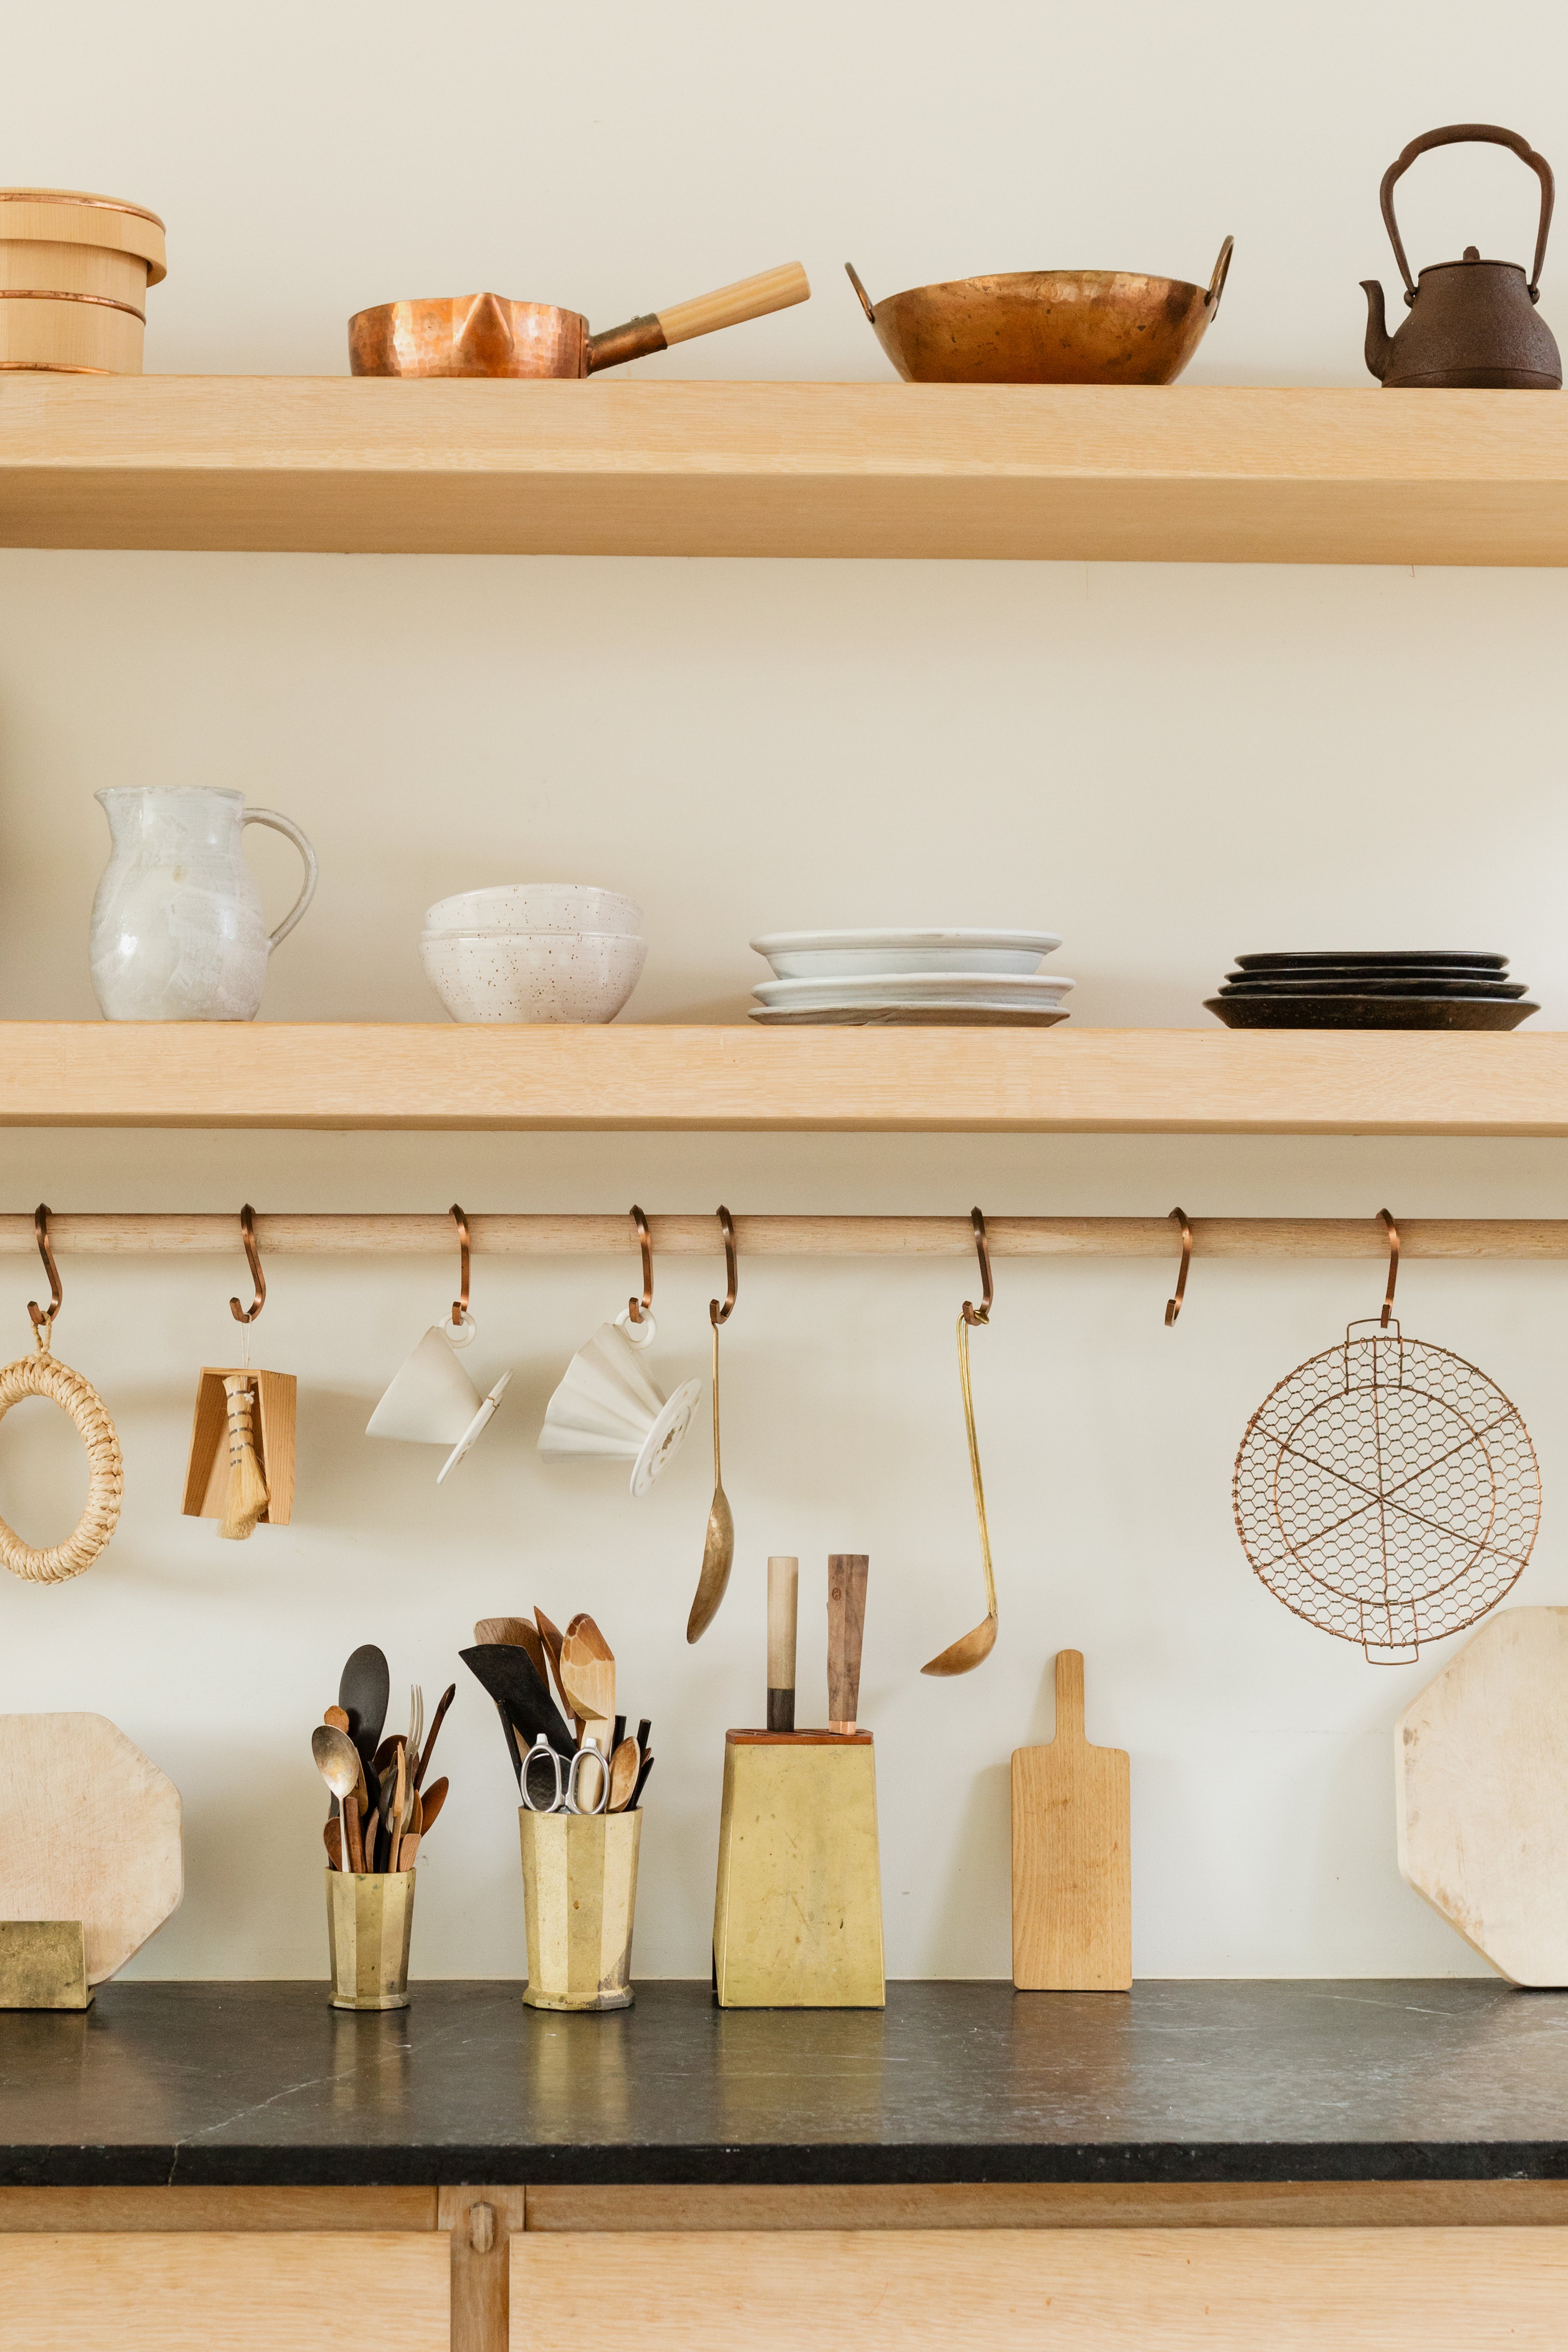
x=551 y=1783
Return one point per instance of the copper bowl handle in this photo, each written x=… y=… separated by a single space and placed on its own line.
x=1216 y=283
x=865 y=298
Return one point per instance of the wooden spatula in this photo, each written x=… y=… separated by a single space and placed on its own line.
x=588 y=1679
x=1072 y=1877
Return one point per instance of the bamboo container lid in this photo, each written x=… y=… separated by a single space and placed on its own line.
x=76 y=216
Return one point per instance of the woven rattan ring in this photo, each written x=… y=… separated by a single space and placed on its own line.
x=44 y=1375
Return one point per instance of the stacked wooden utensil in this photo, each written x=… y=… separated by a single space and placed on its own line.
x=382 y=1806
x=575 y=1757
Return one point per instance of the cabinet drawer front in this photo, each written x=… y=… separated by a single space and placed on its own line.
x=1346 y=2290
x=283 y=2291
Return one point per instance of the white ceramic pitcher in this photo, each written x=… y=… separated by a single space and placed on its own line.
x=177 y=929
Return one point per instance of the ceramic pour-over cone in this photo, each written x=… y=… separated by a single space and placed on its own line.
x=432 y=1401
x=606 y=1407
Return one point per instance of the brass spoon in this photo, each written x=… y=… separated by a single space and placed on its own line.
x=337 y=1761
x=719 y=1546
x=970 y=1649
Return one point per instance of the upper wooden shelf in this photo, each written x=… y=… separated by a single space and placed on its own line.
x=1000 y=1081
x=1198 y=474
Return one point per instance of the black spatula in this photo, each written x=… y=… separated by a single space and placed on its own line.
x=363 y=1694
x=512 y=1680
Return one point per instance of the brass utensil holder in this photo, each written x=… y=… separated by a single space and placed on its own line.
x=797 y=1922
x=43 y=1964
x=580 y=1894
x=370 y=1920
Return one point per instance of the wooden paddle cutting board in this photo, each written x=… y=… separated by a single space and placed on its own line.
x=92 y=1832
x=1072 y=1870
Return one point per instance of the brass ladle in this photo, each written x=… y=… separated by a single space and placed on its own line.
x=970 y=1649
x=718 y=1549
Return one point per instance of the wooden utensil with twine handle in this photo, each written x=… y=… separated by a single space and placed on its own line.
x=1072 y=1874
x=247 y=1496
x=846 y=1572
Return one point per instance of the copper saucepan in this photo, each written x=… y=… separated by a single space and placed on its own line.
x=484 y=334
x=1047 y=326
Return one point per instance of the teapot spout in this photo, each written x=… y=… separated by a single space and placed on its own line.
x=1378 y=345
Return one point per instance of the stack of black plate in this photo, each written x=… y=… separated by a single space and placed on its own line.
x=1389 y=988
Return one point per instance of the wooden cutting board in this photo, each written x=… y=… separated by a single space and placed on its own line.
x=1072 y=1871
x=91 y=1832
x=1481 y=1761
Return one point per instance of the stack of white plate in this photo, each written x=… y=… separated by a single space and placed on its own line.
x=947 y=978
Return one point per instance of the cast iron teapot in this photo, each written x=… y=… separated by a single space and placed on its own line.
x=1472 y=323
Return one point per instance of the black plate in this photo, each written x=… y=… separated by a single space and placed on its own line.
x=1369 y=1012
x=1285 y=985
x=1369 y=975
x=1368 y=959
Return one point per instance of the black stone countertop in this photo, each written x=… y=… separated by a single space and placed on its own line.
x=227 y=2083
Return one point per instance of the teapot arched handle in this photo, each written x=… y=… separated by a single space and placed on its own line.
x=287 y=827
x=1453 y=135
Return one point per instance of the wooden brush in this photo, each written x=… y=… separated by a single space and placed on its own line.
x=246 y=1497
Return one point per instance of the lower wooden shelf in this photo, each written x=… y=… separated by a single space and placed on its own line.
x=1067 y=1080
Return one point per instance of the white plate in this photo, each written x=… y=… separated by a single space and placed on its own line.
x=851 y=954
x=910 y=1016
x=992 y=989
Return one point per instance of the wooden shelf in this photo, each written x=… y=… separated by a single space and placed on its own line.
x=998 y=1081
x=1199 y=474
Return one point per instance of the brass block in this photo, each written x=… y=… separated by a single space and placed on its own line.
x=43 y=1964
x=797 y=1922
x=580 y=1893
x=370 y=1920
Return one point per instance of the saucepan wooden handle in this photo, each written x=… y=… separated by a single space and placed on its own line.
x=845 y=1627
x=752 y=297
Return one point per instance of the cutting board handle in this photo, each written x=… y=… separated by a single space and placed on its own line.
x=1069 y=1699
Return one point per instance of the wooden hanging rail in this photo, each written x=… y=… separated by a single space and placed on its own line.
x=287 y=1235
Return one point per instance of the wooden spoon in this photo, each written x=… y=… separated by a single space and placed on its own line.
x=719 y=1546
x=624 y=1765
x=971 y=1648
x=646 y=1768
x=551 y=1637
x=588 y=1679
x=337 y=1761
x=337 y=1717
x=363 y=1694
x=431 y=1800
x=332 y=1839
x=448 y=1696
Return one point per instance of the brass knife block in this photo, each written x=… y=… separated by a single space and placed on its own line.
x=43 y=1964
x=797 y=1923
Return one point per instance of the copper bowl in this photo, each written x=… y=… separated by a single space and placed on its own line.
x=1047 y=326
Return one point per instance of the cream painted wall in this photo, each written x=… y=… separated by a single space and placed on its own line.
x=1168 y=765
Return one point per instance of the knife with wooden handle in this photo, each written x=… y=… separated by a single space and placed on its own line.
x=845 y=1625
x=784 y=1597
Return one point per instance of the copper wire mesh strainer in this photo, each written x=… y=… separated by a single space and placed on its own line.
x=1387 y=1491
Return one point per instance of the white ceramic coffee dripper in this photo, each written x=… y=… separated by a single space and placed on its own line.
x=608 y=1408
x=432 y=1401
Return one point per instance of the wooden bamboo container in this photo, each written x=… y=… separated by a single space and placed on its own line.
x=798 y=1919
x=74 y=274
x=580 y=1893
x=370 y=1922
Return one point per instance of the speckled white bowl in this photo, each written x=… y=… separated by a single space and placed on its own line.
x=532 y=975
x=514 y=907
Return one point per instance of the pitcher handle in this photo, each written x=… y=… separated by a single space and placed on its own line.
x=1452 y=134
x=287 y=827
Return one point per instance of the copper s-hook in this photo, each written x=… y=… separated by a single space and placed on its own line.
x=981 y=1314
x=1392 y=1230
x=717 y=1313
x=253 y=1256
x=44 y=1318
x=1173 y=1303
x=638 y=1307
x=460 y=1305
